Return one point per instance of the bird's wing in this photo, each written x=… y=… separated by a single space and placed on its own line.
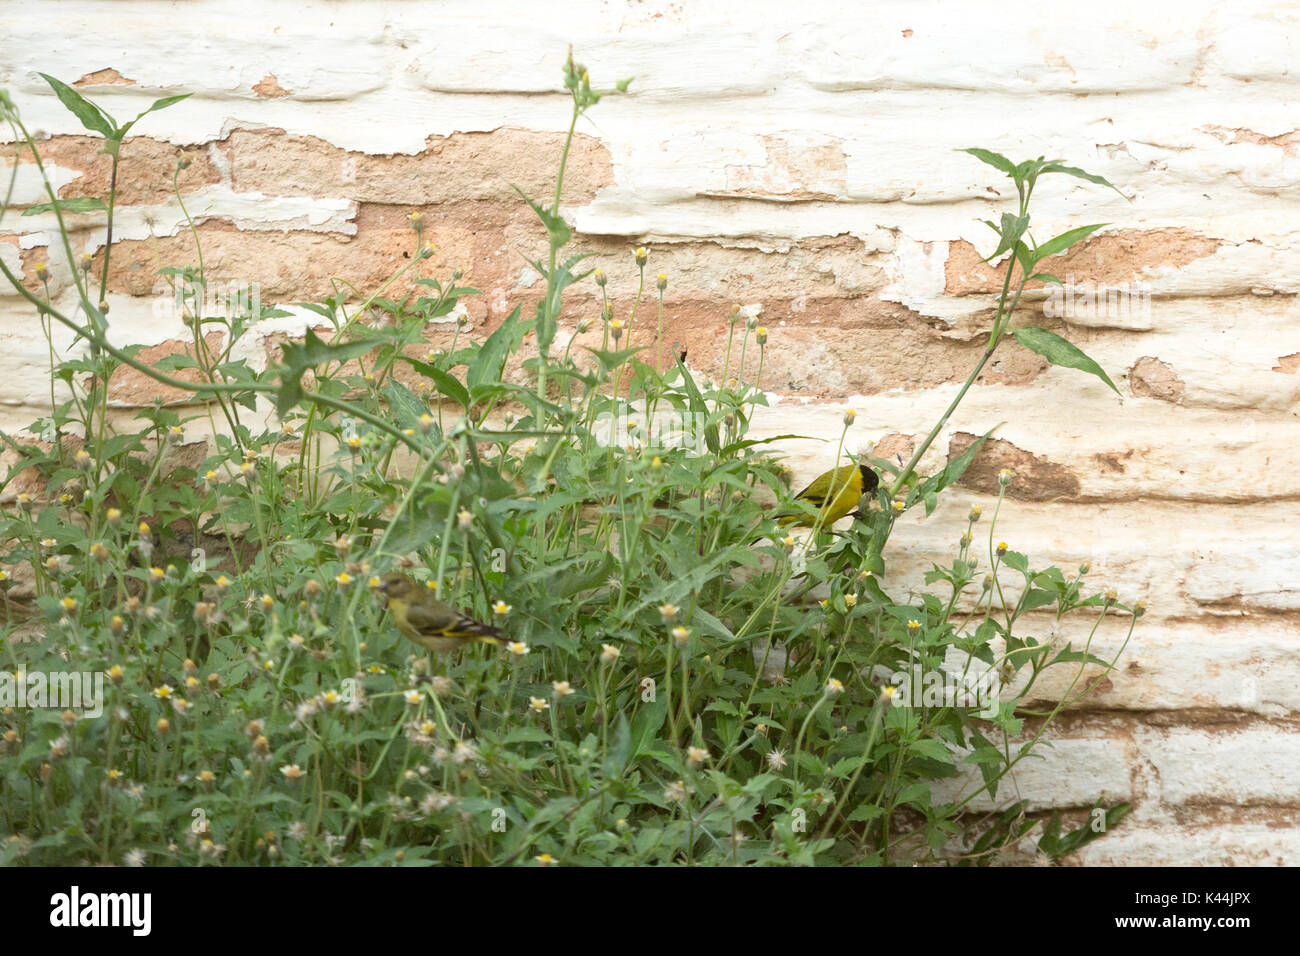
x=428 y=621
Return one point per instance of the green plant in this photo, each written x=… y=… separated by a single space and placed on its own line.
x=677 y=692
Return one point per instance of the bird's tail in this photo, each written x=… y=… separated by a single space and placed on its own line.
x=484 y=633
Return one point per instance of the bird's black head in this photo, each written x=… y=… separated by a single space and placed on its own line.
x=870 y=482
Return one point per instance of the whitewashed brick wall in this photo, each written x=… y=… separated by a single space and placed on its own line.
x=800 y=159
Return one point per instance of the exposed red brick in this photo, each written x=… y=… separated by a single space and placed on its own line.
x=1035 y=478
x=1104 y=260
x=1152 y=378
x=105 y=77
x=269 y=87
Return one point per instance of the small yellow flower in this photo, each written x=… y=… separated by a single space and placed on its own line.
x=292 y=772
x=913 y=626
x=562 y=689
x=343 y=580
x=834 y=686
x=695 y=756
x=600 y=278
x=501 y=609
x=668 y=612
x=851 y=600
x=413 y=697
x=849 y=416
x=517 y=648
x=69 y=604
x=464 y=519
x=115 y=674
x=661 y=281
x=681 y=635
x=537 y=704
x=1002 y=548
x=608 y=653
x=888 y=695
x=975 y=513
x=222 y=583
x=641 y=255
x=545 y=859
x=760 y=335
x=113 y=516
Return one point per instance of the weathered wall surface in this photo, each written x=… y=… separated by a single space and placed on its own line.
x=800 y=161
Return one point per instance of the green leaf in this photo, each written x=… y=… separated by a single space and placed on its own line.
x=1012 y=228
x=402 y=402
x=91 y=116
x=446 y=383
x=996 y=160
x=298 y=358
x=612 y=359
x=645 y=725
x=1064 y=241
x=1056 y=167
x=620 y=748
x=161 y=104
x=1060 y=352
x=556 y=227
x=487 y=365
x=700 y=407
x=74 y=206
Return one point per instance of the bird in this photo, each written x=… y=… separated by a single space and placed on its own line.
x=430 y=623
x=848 y=484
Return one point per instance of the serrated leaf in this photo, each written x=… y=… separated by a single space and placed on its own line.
x=1060 y=352
x=487 y=364
x=996 y=160
x=1064 y=241
x=75 y=206
x=91 y=116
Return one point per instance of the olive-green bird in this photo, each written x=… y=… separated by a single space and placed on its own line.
x=430 y=623
x=848 y=484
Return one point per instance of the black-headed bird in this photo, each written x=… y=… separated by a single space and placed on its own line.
x=430 y=623
x=844 y=486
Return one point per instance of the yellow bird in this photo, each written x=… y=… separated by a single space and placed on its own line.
x=430 y=623
x=847 y=484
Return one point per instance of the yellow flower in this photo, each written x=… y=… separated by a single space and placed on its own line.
x=501 y=608
x=517 y=648
x=537 y=704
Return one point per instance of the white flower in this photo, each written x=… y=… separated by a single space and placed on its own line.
x=776 y=759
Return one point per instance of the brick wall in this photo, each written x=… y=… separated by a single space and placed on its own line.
x=800 y=161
